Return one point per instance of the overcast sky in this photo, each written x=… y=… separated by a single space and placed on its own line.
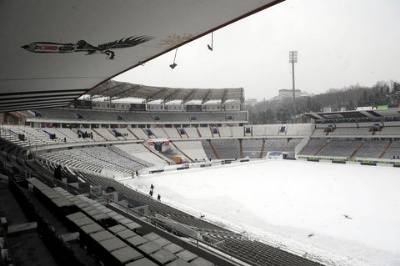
x=339 y=42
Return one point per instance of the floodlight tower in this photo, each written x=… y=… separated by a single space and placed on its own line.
x=293 y=59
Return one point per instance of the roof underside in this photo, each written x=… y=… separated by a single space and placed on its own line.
x=118 y=90
x=53 y=52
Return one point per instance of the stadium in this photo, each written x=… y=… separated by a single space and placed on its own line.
x=180 y=176
x=111 y=154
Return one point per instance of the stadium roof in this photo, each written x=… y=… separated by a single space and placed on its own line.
x=55 y=51
x=356 y=115
x=117 y=90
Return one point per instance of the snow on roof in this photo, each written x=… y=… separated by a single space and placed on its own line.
x=116 y=89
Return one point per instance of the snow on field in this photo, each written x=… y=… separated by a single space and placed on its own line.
x=335 y=214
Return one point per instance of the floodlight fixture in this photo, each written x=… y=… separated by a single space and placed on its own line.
x=293 y=57
x=173 y=65
x=211 y=47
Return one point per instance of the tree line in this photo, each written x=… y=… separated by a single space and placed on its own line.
x=348 y=98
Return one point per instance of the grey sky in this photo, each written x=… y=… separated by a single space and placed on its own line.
x=339 y=42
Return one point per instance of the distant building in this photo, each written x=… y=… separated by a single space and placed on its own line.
x=327 y=109
x=250 y=102
x=285 y=93
x=288 y=94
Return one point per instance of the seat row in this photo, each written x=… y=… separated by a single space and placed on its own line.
x=112 y=238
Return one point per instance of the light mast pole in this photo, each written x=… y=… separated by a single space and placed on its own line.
x=292 y=60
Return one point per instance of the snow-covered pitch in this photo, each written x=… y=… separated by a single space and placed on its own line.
x=334 y=214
